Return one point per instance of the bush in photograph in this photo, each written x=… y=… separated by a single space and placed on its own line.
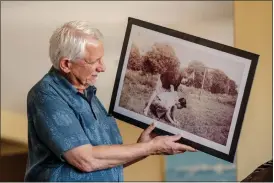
x=135 y=61
x=213 y=80
x=232 y=88
x=199 y=70
x=160 y=59
x=219 y=81
x=138 y=87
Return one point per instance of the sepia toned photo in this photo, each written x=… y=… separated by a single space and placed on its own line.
x=184 y=87
x=188 y=94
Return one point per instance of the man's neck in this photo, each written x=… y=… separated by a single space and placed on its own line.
x=80 y=88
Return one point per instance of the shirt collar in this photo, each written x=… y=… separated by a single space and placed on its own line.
x=59 y=79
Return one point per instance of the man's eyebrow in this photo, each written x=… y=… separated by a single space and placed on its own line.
x=95 y=60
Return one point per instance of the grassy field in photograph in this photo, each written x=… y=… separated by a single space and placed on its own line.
x=207 y=115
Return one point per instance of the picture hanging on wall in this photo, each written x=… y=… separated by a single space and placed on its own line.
x=186 y=84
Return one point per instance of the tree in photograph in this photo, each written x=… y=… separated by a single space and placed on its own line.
x=160 y=59
x=198 y=69
x=219 y=81
x=209 y=79
x=232 y=88
x=135 y=61
x=188 y=76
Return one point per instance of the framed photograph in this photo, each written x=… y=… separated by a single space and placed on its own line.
x=185 y=84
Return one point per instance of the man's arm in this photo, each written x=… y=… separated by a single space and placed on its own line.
x=134 y=161
x=150 y=102
x=154 y=94
x=89 y=158
x=171 y=88
x=146 y=136
x=172 y=113
x=168 y=116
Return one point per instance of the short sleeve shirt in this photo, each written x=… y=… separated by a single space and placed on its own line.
x=168 y=99
x=59 y=119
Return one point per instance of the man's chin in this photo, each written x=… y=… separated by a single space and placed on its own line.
x=91 y=83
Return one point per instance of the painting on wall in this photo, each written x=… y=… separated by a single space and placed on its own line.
x=198 y=166
x=184 y=84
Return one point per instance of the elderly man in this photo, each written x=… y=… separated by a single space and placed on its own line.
x=71 y=137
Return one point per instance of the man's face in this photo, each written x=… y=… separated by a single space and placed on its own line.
x=86 y=70
x=181 y=103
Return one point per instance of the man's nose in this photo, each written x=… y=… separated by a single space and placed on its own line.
x=101 y=67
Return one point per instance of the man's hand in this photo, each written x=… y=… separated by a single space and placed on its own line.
x=146 y=135
x=163 y=144
x=167 y=145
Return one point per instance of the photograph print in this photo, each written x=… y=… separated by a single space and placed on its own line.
x=186 y=85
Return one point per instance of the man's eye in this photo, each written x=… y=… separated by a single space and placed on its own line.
x=92 y=62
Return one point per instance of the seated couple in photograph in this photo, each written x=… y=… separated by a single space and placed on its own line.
x=164 y=99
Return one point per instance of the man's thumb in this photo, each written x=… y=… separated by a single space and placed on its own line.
x=176 y=137
x=150 y=128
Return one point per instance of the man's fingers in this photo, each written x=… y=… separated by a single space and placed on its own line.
x=149 y=129
x=183 y=147
x=175 y=137
x=153 y=135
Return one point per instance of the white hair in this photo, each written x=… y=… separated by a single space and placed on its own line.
x=70 y=41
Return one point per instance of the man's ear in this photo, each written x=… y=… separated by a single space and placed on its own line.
x=65 y=65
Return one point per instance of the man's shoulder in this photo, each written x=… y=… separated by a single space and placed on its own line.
x=167 y=94
x=168 y=98
x=44 y=86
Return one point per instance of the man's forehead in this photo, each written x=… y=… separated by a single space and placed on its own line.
x=94 y=48
x=94 y=44
x=93 y=41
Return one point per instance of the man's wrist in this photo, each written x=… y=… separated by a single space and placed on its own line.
x=150 y=148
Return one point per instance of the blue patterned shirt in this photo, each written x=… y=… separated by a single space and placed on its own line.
x=61 y=118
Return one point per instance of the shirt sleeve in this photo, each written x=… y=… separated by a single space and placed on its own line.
x=56 y=124
x=168 y=98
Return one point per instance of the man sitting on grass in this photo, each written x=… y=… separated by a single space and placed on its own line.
x=162 y=104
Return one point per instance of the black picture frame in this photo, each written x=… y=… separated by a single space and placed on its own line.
x=249 y=61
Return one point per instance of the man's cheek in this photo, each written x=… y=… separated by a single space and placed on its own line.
x=87 y=74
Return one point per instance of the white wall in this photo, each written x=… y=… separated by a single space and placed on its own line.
x=27 y=26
